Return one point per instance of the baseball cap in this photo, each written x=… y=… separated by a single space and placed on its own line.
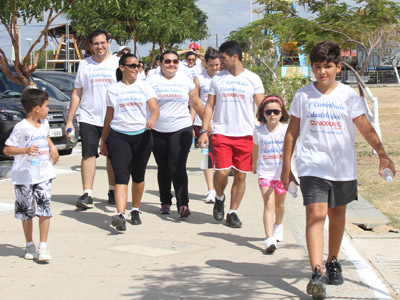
x=194 y=46
x=124 y=47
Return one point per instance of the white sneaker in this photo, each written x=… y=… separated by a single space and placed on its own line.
x=30 y=252
x=44 y=254
x=210 y=196
x=270 y=245
x=278 y=232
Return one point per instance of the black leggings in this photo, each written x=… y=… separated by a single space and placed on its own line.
x=129 y=155
x=171 y=150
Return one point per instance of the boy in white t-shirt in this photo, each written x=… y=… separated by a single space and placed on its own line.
x=33 y=170
x=324 y=113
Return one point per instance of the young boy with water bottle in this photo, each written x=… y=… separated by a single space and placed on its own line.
x=32 y=172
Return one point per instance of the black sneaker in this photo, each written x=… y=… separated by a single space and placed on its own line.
x=135 y=218
x=218 y=211
x=184 y=211
x=232 y=220
x=316 y=285
x=85 y=201
x=334 y=272
x=119 y=222
x=111 y=198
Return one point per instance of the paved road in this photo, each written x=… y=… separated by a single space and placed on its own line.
x=169 y=258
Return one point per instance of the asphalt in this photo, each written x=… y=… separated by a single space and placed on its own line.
x=170 y=258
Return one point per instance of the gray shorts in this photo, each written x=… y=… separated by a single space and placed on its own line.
x=26 y=195
x=335 y=193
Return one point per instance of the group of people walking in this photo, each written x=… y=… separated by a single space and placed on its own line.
x=132 y=118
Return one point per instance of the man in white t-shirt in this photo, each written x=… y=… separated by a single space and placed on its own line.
x=95 y=74
x=231 y=98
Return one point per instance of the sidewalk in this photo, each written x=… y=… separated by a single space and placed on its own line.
x=169 y=258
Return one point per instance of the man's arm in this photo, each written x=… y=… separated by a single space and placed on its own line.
x=370 y=135
x=258 y=98
x=208 y=112
x=106 y=130
x=73 y=107
x=291 y=136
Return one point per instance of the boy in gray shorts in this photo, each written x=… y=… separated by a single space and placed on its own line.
x=32 y=172
x=324 y=114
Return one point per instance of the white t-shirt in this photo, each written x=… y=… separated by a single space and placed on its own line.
x=25 y=135
x=153 y=72
x=173 y=101
x=204 y=86
x=325 y=147
x=194 y=71
x=270 y=151
x=94 y=79
x=141 y=75
x=234 y=105
x=130 y=105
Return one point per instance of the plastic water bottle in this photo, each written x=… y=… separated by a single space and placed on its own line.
x=204 y=159
x=387 y=175
x=35 y=165
x=72 y=135
x=292 y=189
x=192 y=146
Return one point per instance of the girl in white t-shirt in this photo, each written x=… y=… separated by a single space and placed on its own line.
x=267 y=163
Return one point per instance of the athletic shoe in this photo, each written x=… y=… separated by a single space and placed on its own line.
x=43 y=254
x=334 y=272
x=316 y=285
x=119 y=222
x=111 y=198
x=210 y=196
x=184 y=211
x=278 y=232
x=270 y=245
x=218 y=210
x=85 y=201
x=232 y=220
x=165 y=209
x=135 y=218
x=30 y=252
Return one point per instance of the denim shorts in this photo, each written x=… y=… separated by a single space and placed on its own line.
x=335 y=193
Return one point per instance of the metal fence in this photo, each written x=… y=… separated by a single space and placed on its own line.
x=370 y=77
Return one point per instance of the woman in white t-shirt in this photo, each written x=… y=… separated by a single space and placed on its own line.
x=132 y=111
x=172 y=133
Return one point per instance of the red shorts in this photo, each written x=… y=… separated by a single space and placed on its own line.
x=232 y=151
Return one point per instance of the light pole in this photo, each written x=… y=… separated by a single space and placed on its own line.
x=251 y=11
x=30 y=54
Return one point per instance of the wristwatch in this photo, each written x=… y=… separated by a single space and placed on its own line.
x=203 y=131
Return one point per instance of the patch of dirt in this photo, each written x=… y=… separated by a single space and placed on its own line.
x=383 y=195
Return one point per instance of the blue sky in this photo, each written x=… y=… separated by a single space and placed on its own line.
x=224 y=16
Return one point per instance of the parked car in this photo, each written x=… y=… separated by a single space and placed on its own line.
x=51 y=90
x=11 y=112
x=61 y=80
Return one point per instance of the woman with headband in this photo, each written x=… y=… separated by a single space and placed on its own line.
x=267 y=163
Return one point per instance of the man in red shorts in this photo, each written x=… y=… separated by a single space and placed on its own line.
x=231 y=106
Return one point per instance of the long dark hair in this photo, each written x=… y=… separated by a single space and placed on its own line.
x=122 y=61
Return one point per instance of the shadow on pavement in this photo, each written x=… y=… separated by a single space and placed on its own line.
x=225 y=280
x=8 y=250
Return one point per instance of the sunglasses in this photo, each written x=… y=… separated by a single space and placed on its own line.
x=174 y=61
x=133 y=66
x=268 y=112
x=191 y=59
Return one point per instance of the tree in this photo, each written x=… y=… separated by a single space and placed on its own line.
x=27 y=11
x=389 y=47
x=361 y=27
x=158 y=21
